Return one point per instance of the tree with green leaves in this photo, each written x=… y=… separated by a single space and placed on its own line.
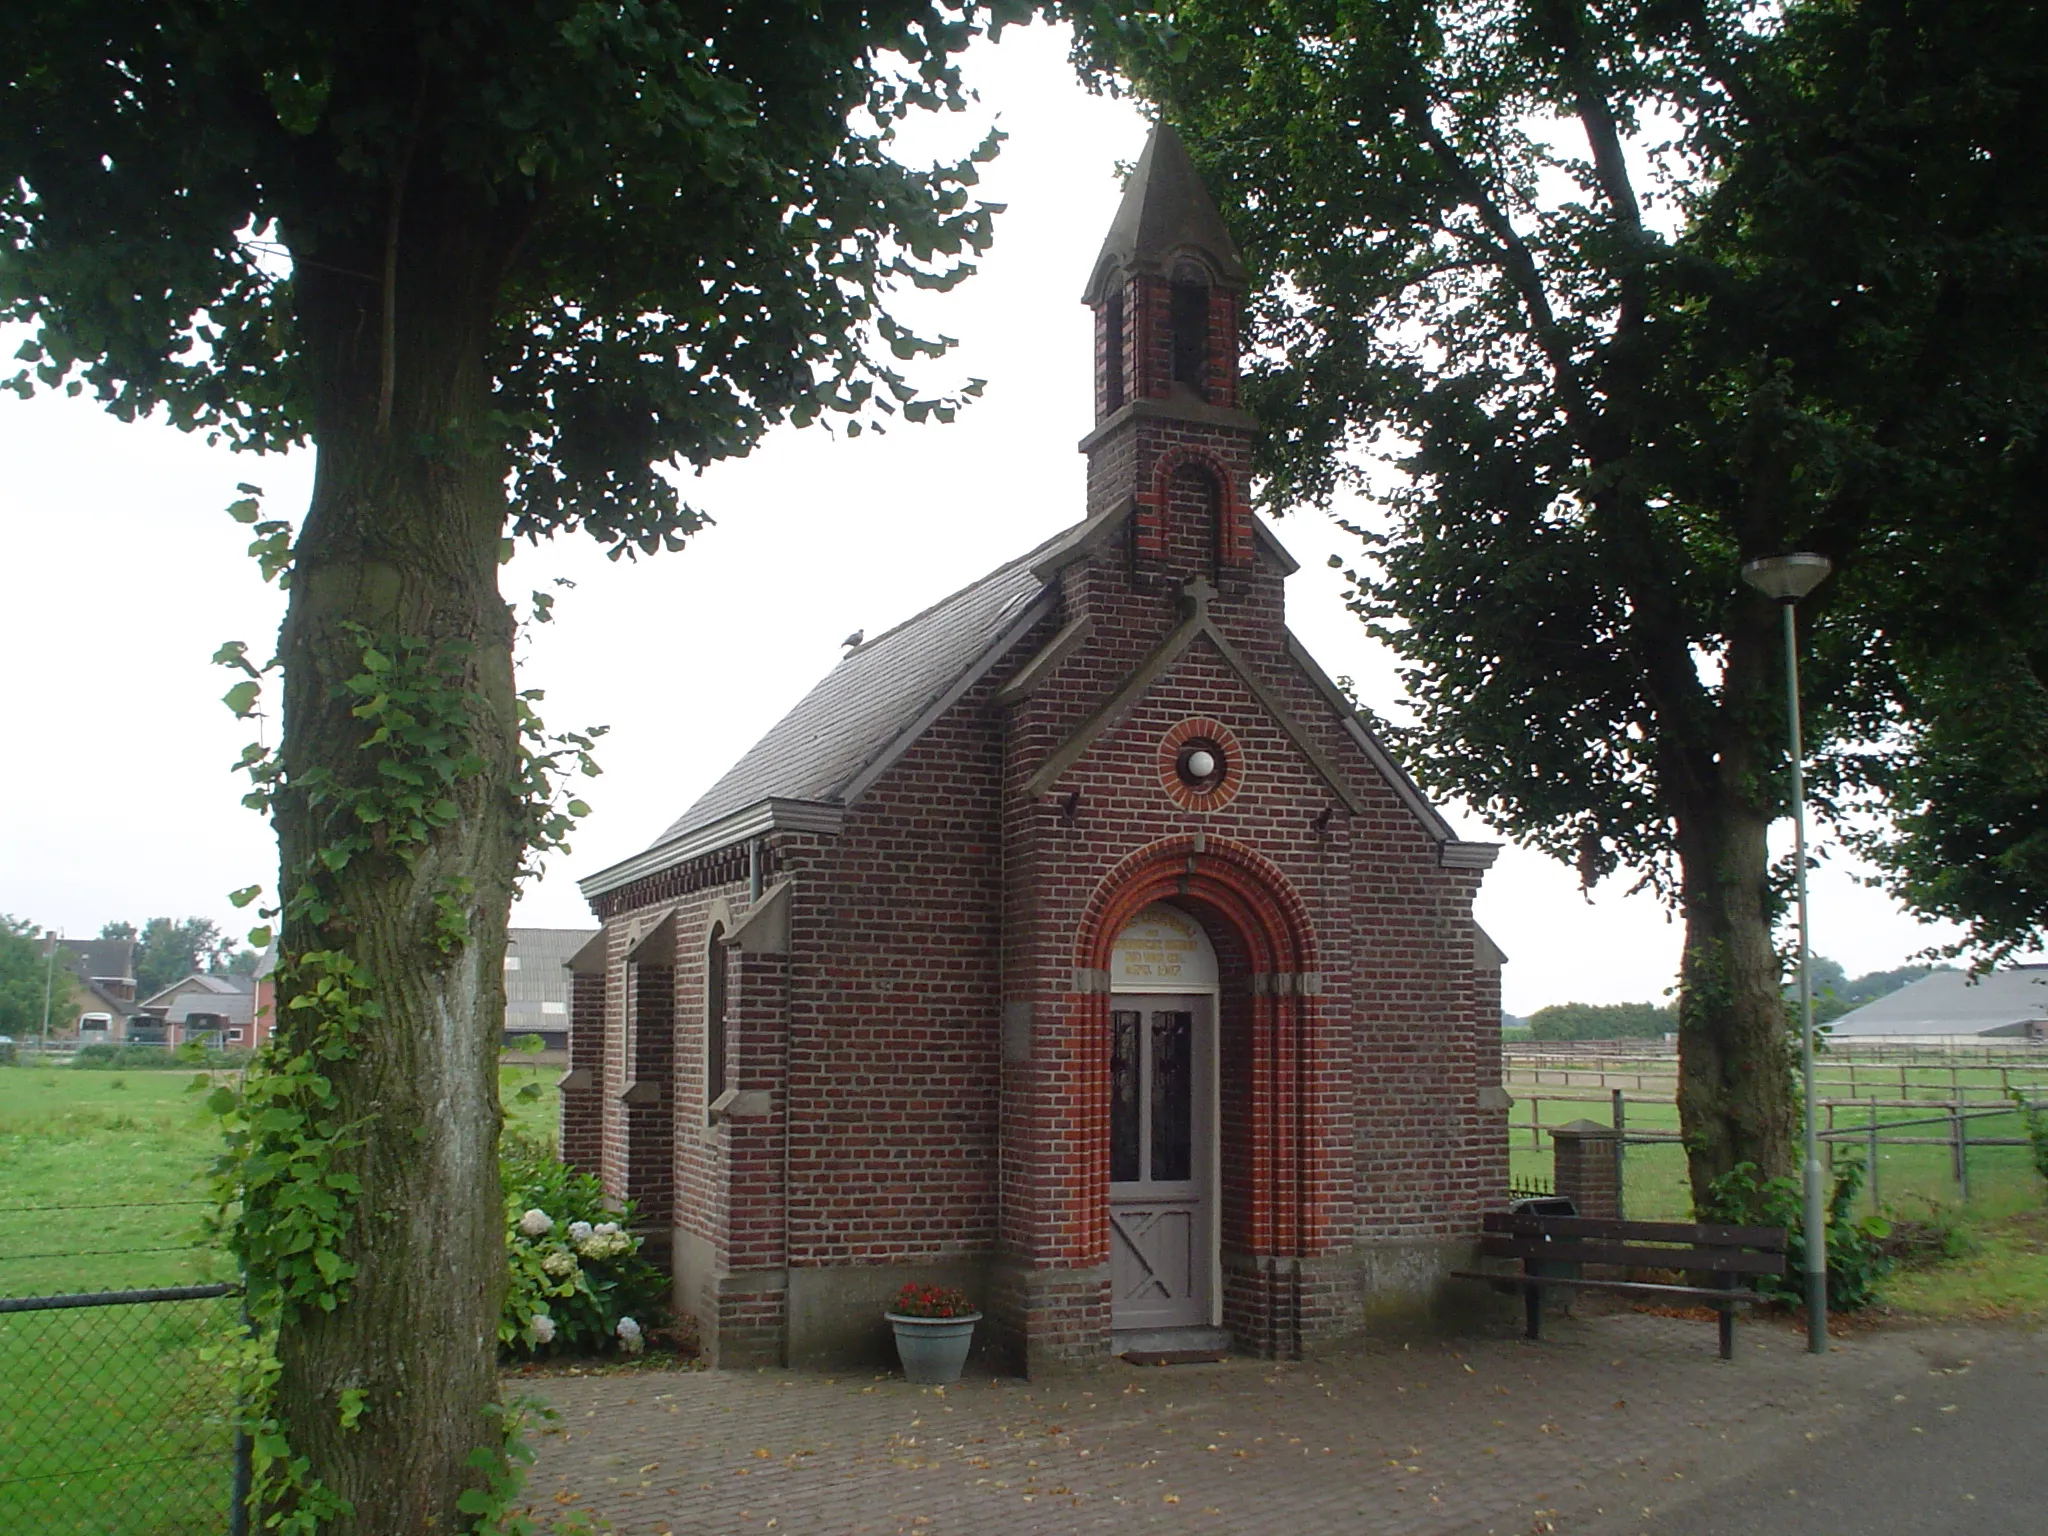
x=25 y=972
x=171 y=948
x=1602 y=1021
x=1598 y=301
x=507 y=267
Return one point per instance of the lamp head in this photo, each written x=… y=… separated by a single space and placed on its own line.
x=1787 y=578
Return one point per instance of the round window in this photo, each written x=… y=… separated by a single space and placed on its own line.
x=1201 y=765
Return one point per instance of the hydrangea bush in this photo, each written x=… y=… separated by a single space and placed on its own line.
x=578 y=1283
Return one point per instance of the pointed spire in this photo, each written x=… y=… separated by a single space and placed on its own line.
x=1166 y=213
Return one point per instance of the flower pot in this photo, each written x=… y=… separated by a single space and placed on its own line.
x=933 y=1349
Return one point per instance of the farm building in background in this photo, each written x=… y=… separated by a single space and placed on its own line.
x=536 y=985
x=1947 y=1005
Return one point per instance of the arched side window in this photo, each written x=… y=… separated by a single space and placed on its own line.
x=1113 y=352
x=715 y=995
x=1188 y=313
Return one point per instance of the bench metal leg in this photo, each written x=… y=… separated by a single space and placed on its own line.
x=1727 y=1331
x=1532 y=1306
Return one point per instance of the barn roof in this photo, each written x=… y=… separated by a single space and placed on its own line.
x=1951 y=1003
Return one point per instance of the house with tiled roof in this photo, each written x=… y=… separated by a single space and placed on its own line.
x=1075 y=941
x=105 y=1006
x=207 y=1007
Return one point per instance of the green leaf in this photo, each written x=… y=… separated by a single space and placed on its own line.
x=242 y=698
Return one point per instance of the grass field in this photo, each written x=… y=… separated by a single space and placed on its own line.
x=102 y=1187
x=1911 y=1180
x=2002 y=1274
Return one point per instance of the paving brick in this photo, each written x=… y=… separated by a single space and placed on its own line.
x=1610 y=1415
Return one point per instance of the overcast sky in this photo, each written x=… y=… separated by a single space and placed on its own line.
x=123 y=574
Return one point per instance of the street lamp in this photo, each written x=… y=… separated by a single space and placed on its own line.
x=1786 y=579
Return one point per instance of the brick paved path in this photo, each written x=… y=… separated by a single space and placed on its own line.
x=1608 y=1420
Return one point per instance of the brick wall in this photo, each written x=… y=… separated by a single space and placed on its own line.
x=926 y=1065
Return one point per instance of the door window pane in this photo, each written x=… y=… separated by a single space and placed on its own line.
x=1173 y=1096
x=1123 y=1097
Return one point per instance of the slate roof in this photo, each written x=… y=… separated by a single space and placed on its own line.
x=1946 y=1003
x=852 y=717
x=231 y=1007
x=99 y=959
x=200 y=983
x=884 y=693
x=1165 y=211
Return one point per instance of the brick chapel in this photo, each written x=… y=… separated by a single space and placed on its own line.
x=1075 y=941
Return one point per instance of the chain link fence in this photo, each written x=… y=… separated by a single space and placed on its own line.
x=117 y=1422
x=118 y=1418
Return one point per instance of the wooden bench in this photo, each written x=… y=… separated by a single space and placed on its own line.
x=1553 y=1249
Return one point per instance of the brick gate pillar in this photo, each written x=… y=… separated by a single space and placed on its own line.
x=1588 y=1167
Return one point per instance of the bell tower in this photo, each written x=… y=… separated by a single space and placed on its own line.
x=1169 y=438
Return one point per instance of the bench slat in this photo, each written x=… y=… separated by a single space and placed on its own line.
x=1638 y=1287
x=1705 y=1234
x=1718 y=1261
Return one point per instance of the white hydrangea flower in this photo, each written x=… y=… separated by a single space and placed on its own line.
x=542 y=1328
x=630 y=1337
x=560 y=1264
x=536 y=1223
x=604 y=1241
x=579 y=1232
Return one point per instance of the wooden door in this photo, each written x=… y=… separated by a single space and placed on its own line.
x=1161 y=1160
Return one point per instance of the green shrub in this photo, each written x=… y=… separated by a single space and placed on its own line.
x=148 y=1058
x=1857 y=1258
x=7 y=1058
x=2037 y=1131
x=578 y=1282
x=1922 y=1243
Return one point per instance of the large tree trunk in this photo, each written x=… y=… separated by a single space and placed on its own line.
x=1734 y=1065
x=402 y=540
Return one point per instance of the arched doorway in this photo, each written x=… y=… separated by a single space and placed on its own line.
x=1163 y=1146
x=1269 y=1124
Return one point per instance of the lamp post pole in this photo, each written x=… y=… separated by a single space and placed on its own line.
x=49 y=981
x=1787 y=578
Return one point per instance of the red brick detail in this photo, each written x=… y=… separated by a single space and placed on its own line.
x=1233 y=529
x=1278 y=1137
x=1222 y=347
x=582 y=1125
x=1149 y=300
x=650 y=1114
x=1185 y=795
